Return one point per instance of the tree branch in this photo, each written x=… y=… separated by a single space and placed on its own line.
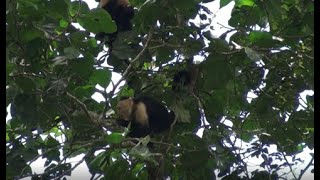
x=131 y=63
x=291 y=170
x=86 y=111
x=306 y=168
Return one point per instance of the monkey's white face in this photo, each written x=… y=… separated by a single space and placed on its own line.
x=124 y=109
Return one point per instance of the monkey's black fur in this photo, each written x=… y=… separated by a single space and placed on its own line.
x=159 y=119
x=181 y=79
x=122 y=13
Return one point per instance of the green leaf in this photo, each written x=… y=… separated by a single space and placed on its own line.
x=78 y=38
x=138 y=168
x=26 y=107
x=149 y=13
x=164 y=54
x=224 y=3
x=56 y=131
x=100 y=161
x=63 y=23
x=249 y=125
x=71 y=52
x=240 y=3
x=50 y=141
x=96 y=21
x=19 y=167
x=218 y=45
x=101 y=76
x=84 y=91
x=310 y=100
x=83 y=67
x=246 y=137
x=7 y=137
x=29 y=154
x=32 y=3
x=262 y=39
x=29 y=34
x=25 y=83
x=57 y=9
x=92 y=42
x=273 y=7
x=195 y=158
x=115 y=170
x=217 y=102
x=300 y=147
x=52 y=148
x=216 y=71
x=184 y=4
x=78 y=8
x=114 y=138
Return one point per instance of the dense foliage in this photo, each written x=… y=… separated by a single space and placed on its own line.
x=52 y=69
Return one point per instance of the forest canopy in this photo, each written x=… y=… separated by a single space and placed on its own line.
x=247 y=97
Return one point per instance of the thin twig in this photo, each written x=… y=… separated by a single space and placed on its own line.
x=138 y=56
x=131 y=63
x=201 y=108
x=306 y=168
x=231 y=52
x=165 y=45
x=291 y=170
x=82 y=105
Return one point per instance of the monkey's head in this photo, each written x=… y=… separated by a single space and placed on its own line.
x=124 y=108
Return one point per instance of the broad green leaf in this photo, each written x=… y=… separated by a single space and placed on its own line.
x=250 y=125
x=92 y=43
x=194 y=159
x=216 y=71
x=224 y=3
x=26 y=107
x=101 y=76
x=84 y=91
x=262 y=39
x=96 y=21
x=63 y=23
x=71 y=52
x=30 y=34
x=57 y=9
x=246 y=136
x=78 y=38
x=114 y=138
x=52 y=148
x=29 y=154
x=83 y=67
x=184 y=4
x=100 y=161
x=275 y=13
x=218 y=45
x=9 y=68
x=240 y=3
x=77 y=8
